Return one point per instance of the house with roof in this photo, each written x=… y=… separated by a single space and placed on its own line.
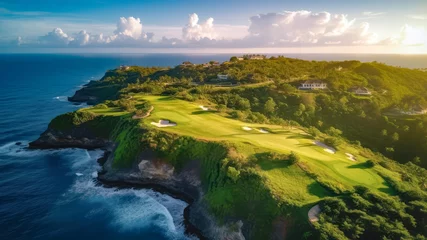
x=415 y=110
x=187 y=63
x=123 y=67
x=361 y=91
x=313 y=85
x=222 y=77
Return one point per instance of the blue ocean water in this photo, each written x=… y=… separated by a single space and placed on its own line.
x=41 y=195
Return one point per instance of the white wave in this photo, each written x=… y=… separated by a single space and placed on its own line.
x=79 y=174
x=131 y=209
x=61 y=98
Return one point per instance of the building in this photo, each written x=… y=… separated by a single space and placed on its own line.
x=187 y=63
x=215 y=63
x=313 y=85
x=416 y=110
x=123 y=67
x=240 y=58
x=255 y=57
x=361 y=91
x=222 y=77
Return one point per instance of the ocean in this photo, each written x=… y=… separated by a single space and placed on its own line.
x=51 y=194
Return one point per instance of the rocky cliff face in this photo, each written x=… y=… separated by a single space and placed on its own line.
x=150 y=172
x=52 y=139
x=83 y=95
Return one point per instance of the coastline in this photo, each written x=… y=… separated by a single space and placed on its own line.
x=190 y=229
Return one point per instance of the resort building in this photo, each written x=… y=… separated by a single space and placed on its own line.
x=123 y=67
x=361 y=91
x=222 y=77
x=187 y=63
x=313 y=85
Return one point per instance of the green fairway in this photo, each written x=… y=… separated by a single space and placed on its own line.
x=285 y=181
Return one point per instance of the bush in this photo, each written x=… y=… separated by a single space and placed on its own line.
x=101 y=106
x=333 y=142
x=293 y=158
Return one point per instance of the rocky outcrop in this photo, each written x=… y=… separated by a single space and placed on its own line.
x=83 y=95
x=149 y=172
x=52 y=139
x=158 y=175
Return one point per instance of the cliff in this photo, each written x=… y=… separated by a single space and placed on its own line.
x=147 y=169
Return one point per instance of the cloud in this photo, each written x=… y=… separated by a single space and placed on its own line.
x=373 y=14
x=273 y=30
x=5 y=11
x=55 y=38
x=408 y=36
x=197 y=31
x=129 y=27
x=307 y=28
x=80 y=39
x=417 y=17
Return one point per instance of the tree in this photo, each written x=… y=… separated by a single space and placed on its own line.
x=293 y=158
x=233 y=173
x=384 y=132
x=333 y=132
x=234 y=59
x=395 y=137
x=270 y=105
x=221 y=108
x=313 y=131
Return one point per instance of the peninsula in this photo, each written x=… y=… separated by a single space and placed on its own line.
x=264 y=148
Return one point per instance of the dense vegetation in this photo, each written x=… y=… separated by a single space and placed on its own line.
x=265 y=91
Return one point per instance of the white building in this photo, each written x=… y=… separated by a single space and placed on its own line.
x=313 y=84
x=222 y=77
x=361 y=91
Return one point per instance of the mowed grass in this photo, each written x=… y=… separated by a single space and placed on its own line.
x=288 y=182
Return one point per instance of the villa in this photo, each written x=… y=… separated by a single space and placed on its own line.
x=123 y=67
x=313 y=85
x=222 y=77
x=416 y=110
x=186 y=63
x=361 y=91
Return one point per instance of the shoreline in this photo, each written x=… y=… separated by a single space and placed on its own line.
x=190 y=229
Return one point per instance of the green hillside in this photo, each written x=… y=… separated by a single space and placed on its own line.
x=269 y=151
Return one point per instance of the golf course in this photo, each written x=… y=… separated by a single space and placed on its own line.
x=290 y=182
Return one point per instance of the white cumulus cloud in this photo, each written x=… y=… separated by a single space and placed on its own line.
x=308 y=28
x=129 y=27
x=55 y=38
x=197 y=31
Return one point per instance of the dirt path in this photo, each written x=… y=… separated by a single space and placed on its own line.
x=145 y=115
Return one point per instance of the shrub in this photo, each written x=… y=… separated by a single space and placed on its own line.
x=293 y=158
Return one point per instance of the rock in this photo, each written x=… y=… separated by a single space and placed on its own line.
x=18 y=143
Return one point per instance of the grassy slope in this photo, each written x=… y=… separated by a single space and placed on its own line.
x=285 y=181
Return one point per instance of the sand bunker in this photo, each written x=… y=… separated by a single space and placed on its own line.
x=163 y=123
x=351 y=157
x=325 y=147
x=313 y=214
x=262 y=131
x=246 y=128
x=204 y=108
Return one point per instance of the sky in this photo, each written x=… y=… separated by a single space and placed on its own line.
x=269 y=26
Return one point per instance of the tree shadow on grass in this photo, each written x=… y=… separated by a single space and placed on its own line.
x=317 y=190
x=305 y=145
x=364 y=165
x=201 y=112
x=273 y=164
x=300 y=136
x=166 y=98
